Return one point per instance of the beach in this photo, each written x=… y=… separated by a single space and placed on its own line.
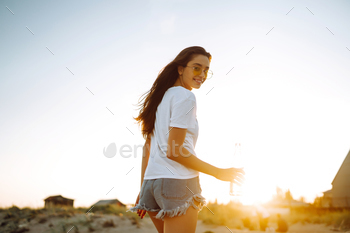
x=108 y=223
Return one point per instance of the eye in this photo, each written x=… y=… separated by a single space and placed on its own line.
x=196 y=68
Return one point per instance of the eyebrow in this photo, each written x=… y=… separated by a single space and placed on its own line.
x=199 y=64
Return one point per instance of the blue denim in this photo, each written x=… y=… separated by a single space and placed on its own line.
x=170 y=197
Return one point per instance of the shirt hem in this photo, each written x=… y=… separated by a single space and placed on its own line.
x=170 y=177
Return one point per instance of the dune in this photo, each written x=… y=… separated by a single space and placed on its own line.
x=105 y=223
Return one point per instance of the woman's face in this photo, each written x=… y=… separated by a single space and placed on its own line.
x=187 y=78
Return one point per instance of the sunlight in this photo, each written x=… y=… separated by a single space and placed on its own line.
x=254 y=191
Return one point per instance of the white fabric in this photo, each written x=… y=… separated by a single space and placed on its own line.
x=177 y=109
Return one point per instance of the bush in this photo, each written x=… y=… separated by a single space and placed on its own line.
x=135 y=221
x=42 y=220
x=108 y=223
x=20 y=230
x=229 y=215
x=337 y=218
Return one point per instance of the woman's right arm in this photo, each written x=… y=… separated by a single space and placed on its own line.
x=181 y=155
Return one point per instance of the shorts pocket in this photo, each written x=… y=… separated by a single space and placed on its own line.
x=194 y=186
x=174 y=188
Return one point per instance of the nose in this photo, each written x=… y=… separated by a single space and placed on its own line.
x=202 y=74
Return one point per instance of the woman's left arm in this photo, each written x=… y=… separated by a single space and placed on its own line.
x=145 y=157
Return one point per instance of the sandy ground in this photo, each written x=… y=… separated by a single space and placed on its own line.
x=79 y=223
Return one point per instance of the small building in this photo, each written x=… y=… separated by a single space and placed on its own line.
x=58 y=201
x=326 y=200
x=114 y=202
x=340 y=192
x=287 y=203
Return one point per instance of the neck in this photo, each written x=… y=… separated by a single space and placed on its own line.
x=179 y=82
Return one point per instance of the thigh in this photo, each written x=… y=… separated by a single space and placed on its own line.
x=185 y=223
x=158 y=223
x=177 y=195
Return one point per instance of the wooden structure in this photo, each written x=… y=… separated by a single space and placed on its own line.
x=287 y=204
x=340 y=193
x=326 y=201
x=58 y=201
x=115 y=202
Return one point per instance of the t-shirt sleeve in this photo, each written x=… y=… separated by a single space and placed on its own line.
x=183 y=114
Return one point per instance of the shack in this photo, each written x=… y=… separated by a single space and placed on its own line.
x=58 y=201
x=340 y=192
x=114 y=202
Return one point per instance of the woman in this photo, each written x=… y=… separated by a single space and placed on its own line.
x=170 y=190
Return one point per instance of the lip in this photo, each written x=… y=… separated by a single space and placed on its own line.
x=199 y=81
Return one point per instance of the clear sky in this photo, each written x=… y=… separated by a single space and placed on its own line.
x=71 y=74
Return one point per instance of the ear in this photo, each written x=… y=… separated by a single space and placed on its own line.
x=180 y=70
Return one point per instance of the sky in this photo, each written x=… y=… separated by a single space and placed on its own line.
x=72 y=73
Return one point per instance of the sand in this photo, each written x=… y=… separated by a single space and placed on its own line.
x=81 y=222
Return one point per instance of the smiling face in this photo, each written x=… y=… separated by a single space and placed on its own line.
x=187 y=78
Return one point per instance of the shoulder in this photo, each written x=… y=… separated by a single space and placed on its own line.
x=179 y=94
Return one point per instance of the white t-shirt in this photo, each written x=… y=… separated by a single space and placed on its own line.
x=177 y=109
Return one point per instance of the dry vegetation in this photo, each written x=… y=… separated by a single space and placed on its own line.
x=57 y=220
x=232 y=215
x=339 y=219
x=229 y=215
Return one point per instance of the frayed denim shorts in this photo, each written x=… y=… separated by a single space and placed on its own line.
x=170 y=197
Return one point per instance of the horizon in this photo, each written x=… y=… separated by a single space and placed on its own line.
x=234 y=200
x=268 y=204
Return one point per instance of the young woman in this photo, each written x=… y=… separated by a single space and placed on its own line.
x=170 y=190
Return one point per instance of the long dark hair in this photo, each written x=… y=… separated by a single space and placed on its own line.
x=166 y=78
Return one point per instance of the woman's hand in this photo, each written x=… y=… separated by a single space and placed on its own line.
x=235 y=175
x=140 y=213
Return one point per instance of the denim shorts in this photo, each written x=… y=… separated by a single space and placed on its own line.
x=170 y=197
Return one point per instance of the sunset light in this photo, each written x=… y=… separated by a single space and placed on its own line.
x=278 y=103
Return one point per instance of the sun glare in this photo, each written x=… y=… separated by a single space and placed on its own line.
x=254 y=191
